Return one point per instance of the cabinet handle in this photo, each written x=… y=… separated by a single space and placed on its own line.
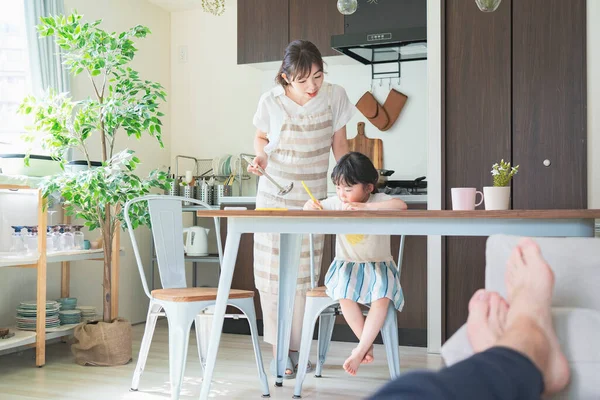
x=547 y=163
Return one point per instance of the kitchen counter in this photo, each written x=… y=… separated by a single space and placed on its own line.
x=408 y=199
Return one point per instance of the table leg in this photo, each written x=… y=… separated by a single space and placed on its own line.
x=229 y=258
x=290 y=246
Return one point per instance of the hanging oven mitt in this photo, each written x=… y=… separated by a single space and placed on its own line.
x=371 y=109
x=392 y=106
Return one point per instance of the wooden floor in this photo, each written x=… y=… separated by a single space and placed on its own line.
x=235 y=374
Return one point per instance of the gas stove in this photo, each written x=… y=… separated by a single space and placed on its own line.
x=405 y=187
x=402 y=191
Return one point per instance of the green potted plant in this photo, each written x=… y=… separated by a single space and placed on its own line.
x=123 y=103
x=497 y=197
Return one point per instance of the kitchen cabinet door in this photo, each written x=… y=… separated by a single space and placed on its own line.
x=263 y=31
x=477 y=132
x=549 y=104
x=316 y=21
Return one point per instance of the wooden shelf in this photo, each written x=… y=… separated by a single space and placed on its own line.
x=40 y=263
x=53 y=257
x=24 y=338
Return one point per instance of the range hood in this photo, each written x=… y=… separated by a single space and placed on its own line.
x=384 y=32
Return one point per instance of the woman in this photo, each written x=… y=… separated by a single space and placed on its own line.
x=298 y=123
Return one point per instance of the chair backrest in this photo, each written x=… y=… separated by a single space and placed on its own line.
x=313 y=283
x=166 y=217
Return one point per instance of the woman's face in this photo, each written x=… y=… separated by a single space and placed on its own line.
x=306 y=87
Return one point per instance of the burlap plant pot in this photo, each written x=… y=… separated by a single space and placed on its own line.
x=102 y=343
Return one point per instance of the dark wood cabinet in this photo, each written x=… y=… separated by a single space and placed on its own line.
x=263 y=30
x=477 y=131
x=514 y=89
x=265 y=27
x=316 y=21
x=549 y=104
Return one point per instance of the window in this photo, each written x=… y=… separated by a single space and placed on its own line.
x=15 y=75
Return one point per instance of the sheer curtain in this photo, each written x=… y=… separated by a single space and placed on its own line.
x=45 y=60
x=47 y=69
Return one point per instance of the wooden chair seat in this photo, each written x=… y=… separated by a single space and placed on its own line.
x=317 y=292
x=185 y=295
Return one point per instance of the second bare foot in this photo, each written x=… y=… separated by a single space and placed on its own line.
x=353 y=362
x=487 y=319
x=368 y=357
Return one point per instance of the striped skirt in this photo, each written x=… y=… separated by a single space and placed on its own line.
x=364 y=282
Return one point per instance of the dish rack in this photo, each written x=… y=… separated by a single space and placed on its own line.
x=215 y=169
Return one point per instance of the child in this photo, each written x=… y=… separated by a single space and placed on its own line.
x=363 y=270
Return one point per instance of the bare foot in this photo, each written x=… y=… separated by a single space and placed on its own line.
x=353 y=362
x=368 y=357
x=487 y=319
x=529 y=282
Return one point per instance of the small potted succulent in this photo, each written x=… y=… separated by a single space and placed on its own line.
x=497 y=197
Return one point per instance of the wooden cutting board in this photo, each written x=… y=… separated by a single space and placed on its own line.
x=372 y=148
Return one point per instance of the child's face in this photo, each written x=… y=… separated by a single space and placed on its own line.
x=358 y=193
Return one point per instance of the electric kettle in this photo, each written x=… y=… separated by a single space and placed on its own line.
x=196 y=243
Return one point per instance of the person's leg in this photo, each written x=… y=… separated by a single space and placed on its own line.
x=525 y=361
x=373 y=324
x=498 y=373
x=297 y=325
x=268 y=304
x=353 y=314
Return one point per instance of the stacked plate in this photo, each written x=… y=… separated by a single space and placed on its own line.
x=68 y=317
x=68 y=303
x=88 y=313
x=27 y=315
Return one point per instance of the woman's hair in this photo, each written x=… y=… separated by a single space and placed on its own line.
x=299 y=57
x=354 y=168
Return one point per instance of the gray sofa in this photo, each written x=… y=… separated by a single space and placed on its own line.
x=576 y=306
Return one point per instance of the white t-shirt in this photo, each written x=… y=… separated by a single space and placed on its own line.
x=269 y=116
x=360 y=247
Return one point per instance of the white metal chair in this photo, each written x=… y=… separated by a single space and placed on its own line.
x=180 y=304
x=319 y=305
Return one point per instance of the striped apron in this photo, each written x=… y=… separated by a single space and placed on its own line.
x=302 y=154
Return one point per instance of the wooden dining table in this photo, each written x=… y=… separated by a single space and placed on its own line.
x=292 y=224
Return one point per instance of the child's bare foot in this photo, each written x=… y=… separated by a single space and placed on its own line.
x=487 y=319
x=529 y=282
x=368 y=357
x=353 y=362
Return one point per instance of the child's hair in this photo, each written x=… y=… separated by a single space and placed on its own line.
x=354 y=168
x=298 y=59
